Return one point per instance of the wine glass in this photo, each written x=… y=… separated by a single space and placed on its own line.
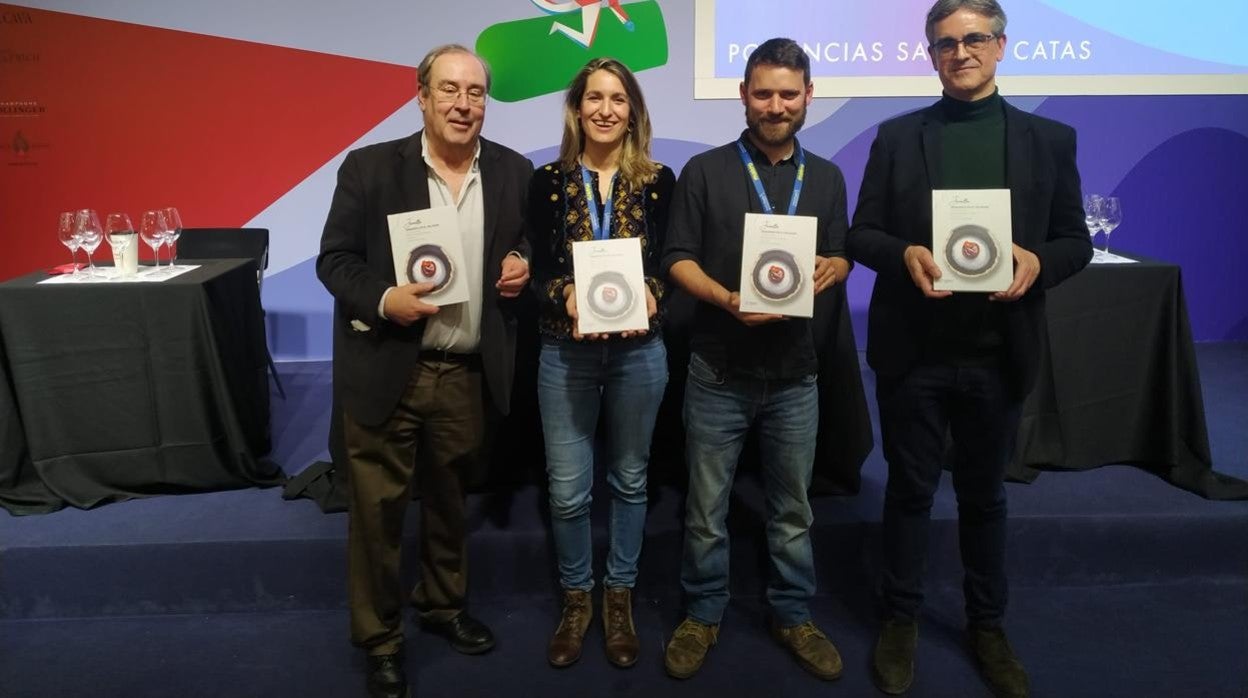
x=68 y=236
x=174 y=232
x=1110 y=217
x=87 y=228
x=119 y=232
x=152 y=227
x=1091 y=213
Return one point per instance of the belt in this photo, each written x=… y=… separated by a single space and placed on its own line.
x=448 y=357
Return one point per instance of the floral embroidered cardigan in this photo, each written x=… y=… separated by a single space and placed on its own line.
x=558 y=215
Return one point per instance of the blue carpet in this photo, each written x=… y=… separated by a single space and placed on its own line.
x=1082 y=641
x=1122 y=585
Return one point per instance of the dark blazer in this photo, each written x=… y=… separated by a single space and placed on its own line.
x=371 y=368
x=895 y=211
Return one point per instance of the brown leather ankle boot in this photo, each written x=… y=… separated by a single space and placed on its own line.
x=565 y=646
x=617 y=626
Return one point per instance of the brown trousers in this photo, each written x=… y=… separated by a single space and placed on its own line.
x=440 y=417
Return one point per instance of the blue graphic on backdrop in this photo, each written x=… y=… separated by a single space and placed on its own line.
x=1044 y=39
x=1214 y=33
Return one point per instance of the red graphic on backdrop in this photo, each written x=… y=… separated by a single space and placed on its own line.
x=143 y=117
x=970 y=249
x=775 y=273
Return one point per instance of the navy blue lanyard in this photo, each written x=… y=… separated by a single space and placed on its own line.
x=758 y=183
x=601 y=228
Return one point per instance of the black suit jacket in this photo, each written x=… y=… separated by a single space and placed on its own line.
x=371 y=368
x=895 y=211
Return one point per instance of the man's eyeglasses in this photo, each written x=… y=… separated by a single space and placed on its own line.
x=450 y=93
x=973 y=42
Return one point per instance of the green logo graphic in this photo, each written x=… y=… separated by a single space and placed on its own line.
x=532 y=57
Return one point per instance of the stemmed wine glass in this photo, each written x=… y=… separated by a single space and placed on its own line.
x=1092 y=213
x=173 y=232
x=152 y=227
x=119 y=232
x=1110 y=217
x=89 y=233
x=68 y=236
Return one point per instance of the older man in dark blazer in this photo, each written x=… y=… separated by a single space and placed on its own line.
x=412 y=376
x=959 y=364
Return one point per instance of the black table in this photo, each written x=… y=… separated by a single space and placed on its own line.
x=122 y=390
x=1119 y=383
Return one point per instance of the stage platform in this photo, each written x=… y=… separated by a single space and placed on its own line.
x=1121 y=585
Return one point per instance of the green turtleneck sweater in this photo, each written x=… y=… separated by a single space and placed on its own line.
x=967 y=328
x=972 y=143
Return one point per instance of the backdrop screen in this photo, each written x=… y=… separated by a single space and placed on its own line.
x=1053 y=46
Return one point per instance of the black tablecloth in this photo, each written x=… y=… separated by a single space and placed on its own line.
x=122 y=390
x=1120 y=383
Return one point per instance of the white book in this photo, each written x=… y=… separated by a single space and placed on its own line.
x=778 y=264
x=972 y=239
x=427 y=248
x=610 y=286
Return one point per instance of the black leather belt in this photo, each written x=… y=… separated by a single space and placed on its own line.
x=448 y=357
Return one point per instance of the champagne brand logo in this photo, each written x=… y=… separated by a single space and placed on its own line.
x=17 y=109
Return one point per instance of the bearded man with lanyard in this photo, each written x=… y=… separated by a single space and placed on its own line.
x=752 y=370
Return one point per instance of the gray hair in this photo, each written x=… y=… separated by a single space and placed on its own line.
x=987 y=8
x=426 y=63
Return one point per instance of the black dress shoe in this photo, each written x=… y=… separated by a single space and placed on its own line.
x=465 y=633
x=386 y=678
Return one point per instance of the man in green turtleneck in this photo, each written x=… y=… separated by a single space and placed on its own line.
x=958 y=363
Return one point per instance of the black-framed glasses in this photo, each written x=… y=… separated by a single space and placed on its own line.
x=448 y=92
x=973 y=42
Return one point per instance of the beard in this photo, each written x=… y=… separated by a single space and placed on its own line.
x=774 y=132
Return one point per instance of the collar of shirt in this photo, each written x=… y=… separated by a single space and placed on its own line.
x=473 y=169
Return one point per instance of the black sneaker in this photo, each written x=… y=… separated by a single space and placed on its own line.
x=997 y=662
x=892 y=662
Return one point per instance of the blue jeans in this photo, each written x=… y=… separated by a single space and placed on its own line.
x=624 y=380
x=719 y=412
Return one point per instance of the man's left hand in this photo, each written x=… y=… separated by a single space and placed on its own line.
x=829 y=271
x=515 y=275
x=1026 y=271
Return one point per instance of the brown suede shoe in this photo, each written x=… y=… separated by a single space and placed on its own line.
x=565 y=646
x=813 y=650
x=997 y=662
x=892 y=662
x=617 y=625
x=688 y=647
